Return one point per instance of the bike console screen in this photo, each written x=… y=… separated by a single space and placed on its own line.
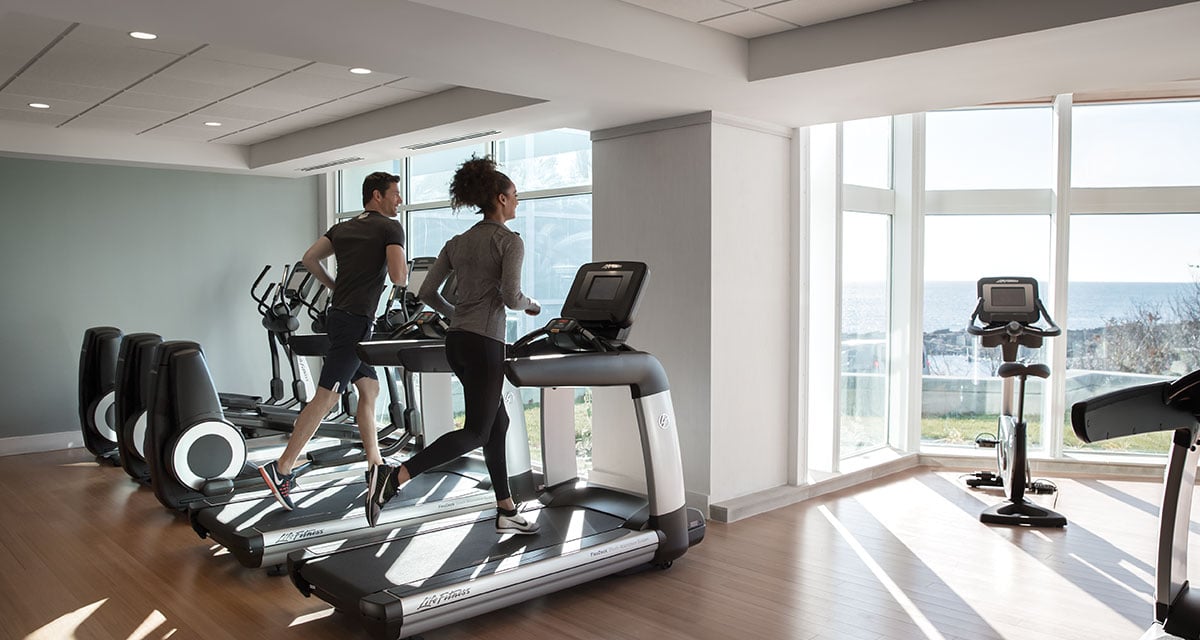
x=1004 y=300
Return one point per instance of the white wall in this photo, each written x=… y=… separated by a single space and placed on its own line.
x=751 y=294
x=172 y=252
x=704 y=200
x=651 y=201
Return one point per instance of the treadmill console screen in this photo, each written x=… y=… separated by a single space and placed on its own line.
x=605 y=294
x=604 y=287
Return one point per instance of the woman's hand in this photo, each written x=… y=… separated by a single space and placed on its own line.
x=534 y=308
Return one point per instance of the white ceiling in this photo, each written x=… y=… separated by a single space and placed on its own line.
x=754 y=18
x=275 y=73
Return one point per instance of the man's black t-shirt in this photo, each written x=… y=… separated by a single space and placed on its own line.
x=360 y=246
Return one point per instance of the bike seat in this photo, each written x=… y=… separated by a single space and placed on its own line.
x=1014 y=370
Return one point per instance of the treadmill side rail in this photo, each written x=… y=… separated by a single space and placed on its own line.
x=425 y=610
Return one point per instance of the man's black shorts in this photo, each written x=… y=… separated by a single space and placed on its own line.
x=342 y=365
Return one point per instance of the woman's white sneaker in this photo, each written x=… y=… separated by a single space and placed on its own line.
x=514 y=522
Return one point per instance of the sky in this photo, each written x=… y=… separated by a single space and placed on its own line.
x=1128 y=145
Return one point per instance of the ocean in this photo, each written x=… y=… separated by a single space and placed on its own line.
x=948 y=305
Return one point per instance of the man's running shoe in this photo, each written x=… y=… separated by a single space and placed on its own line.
x=513 y=522
x=281 y=485
x=381 y=486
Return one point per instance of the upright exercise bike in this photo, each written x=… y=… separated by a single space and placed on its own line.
x=1005 y=316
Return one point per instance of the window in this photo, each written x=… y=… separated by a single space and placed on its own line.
x=429 y=174
x=960 y=393
x=547 y=160
x=1136 y=145
x=866 y=256
x=867 y=152
x=1132 y=320
x=350 y=182
x=989 y=149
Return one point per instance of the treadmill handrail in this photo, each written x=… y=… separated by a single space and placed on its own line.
x=640 y=371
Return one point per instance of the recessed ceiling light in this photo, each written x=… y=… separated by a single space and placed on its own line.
x=212 y=123
x=39 y=105
x=142 y=35
x=360 y=71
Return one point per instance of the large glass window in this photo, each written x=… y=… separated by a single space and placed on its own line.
x=350 y=182
x=553 y=173
x=866 y=256
x=429 y=229
x=989 y=149
x=867 y=152
x=1136 y=145
x=960 y=391
x=547 y=160
x=429 y=174
x=1133 y=309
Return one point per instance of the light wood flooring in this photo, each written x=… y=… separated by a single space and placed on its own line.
x=85 y=553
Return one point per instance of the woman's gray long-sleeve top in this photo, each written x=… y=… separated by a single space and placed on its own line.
x=486 y=260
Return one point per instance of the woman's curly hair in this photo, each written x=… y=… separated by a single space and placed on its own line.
x=476 y=183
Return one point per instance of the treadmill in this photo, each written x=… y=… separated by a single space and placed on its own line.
x=1160 y=406
x=260 y=533
x=419 y=577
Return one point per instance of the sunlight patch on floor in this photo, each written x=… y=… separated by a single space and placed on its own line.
x=152 y=622
x=1100 y=572
x=894 y=589
x=310 y=617
x=65 y=625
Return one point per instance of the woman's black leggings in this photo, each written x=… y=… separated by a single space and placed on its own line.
x=479 y=364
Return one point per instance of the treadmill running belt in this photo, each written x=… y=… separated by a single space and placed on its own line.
x=334 y=503
x=424 y=560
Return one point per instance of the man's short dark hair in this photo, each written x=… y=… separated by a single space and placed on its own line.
x=378 y=181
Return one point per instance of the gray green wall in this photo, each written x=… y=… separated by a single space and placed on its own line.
x=172 y=252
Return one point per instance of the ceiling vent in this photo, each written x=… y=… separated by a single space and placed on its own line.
x=331 y=163
x=438 y=143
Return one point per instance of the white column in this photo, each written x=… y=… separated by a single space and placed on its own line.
x=824 y=285
x=1060 y=235
x=908 y=281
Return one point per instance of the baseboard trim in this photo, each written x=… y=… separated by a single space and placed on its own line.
x=776 y=497
x=42 y=442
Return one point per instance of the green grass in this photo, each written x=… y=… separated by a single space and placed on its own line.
x=963 y=429
x=533 y=426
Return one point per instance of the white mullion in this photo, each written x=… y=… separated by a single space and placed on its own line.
x=908 y=276
x=1122 y=200
x=868 y=199
x=798 y=361
x=989 y=201
x=1055 y=396
x=824 y=299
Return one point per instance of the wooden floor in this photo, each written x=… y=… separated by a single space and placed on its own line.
x=85 y=553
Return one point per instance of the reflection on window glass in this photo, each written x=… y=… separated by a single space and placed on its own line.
x=429 y=174
x=1135 y=145
x=429 y=229
x=866 y=254
x=960 y=396
x=867 y=152
x=989 y=149
x=350 y=182
x=547 y=160
x=558 y=240
x=1132 y=320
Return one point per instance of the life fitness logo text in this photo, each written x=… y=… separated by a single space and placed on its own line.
x=443 y=597
x=304 y=534
x=611 y=265
x=664 y=421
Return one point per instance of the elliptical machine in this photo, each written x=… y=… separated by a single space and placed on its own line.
x=1008 y=309
x=97 y=375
